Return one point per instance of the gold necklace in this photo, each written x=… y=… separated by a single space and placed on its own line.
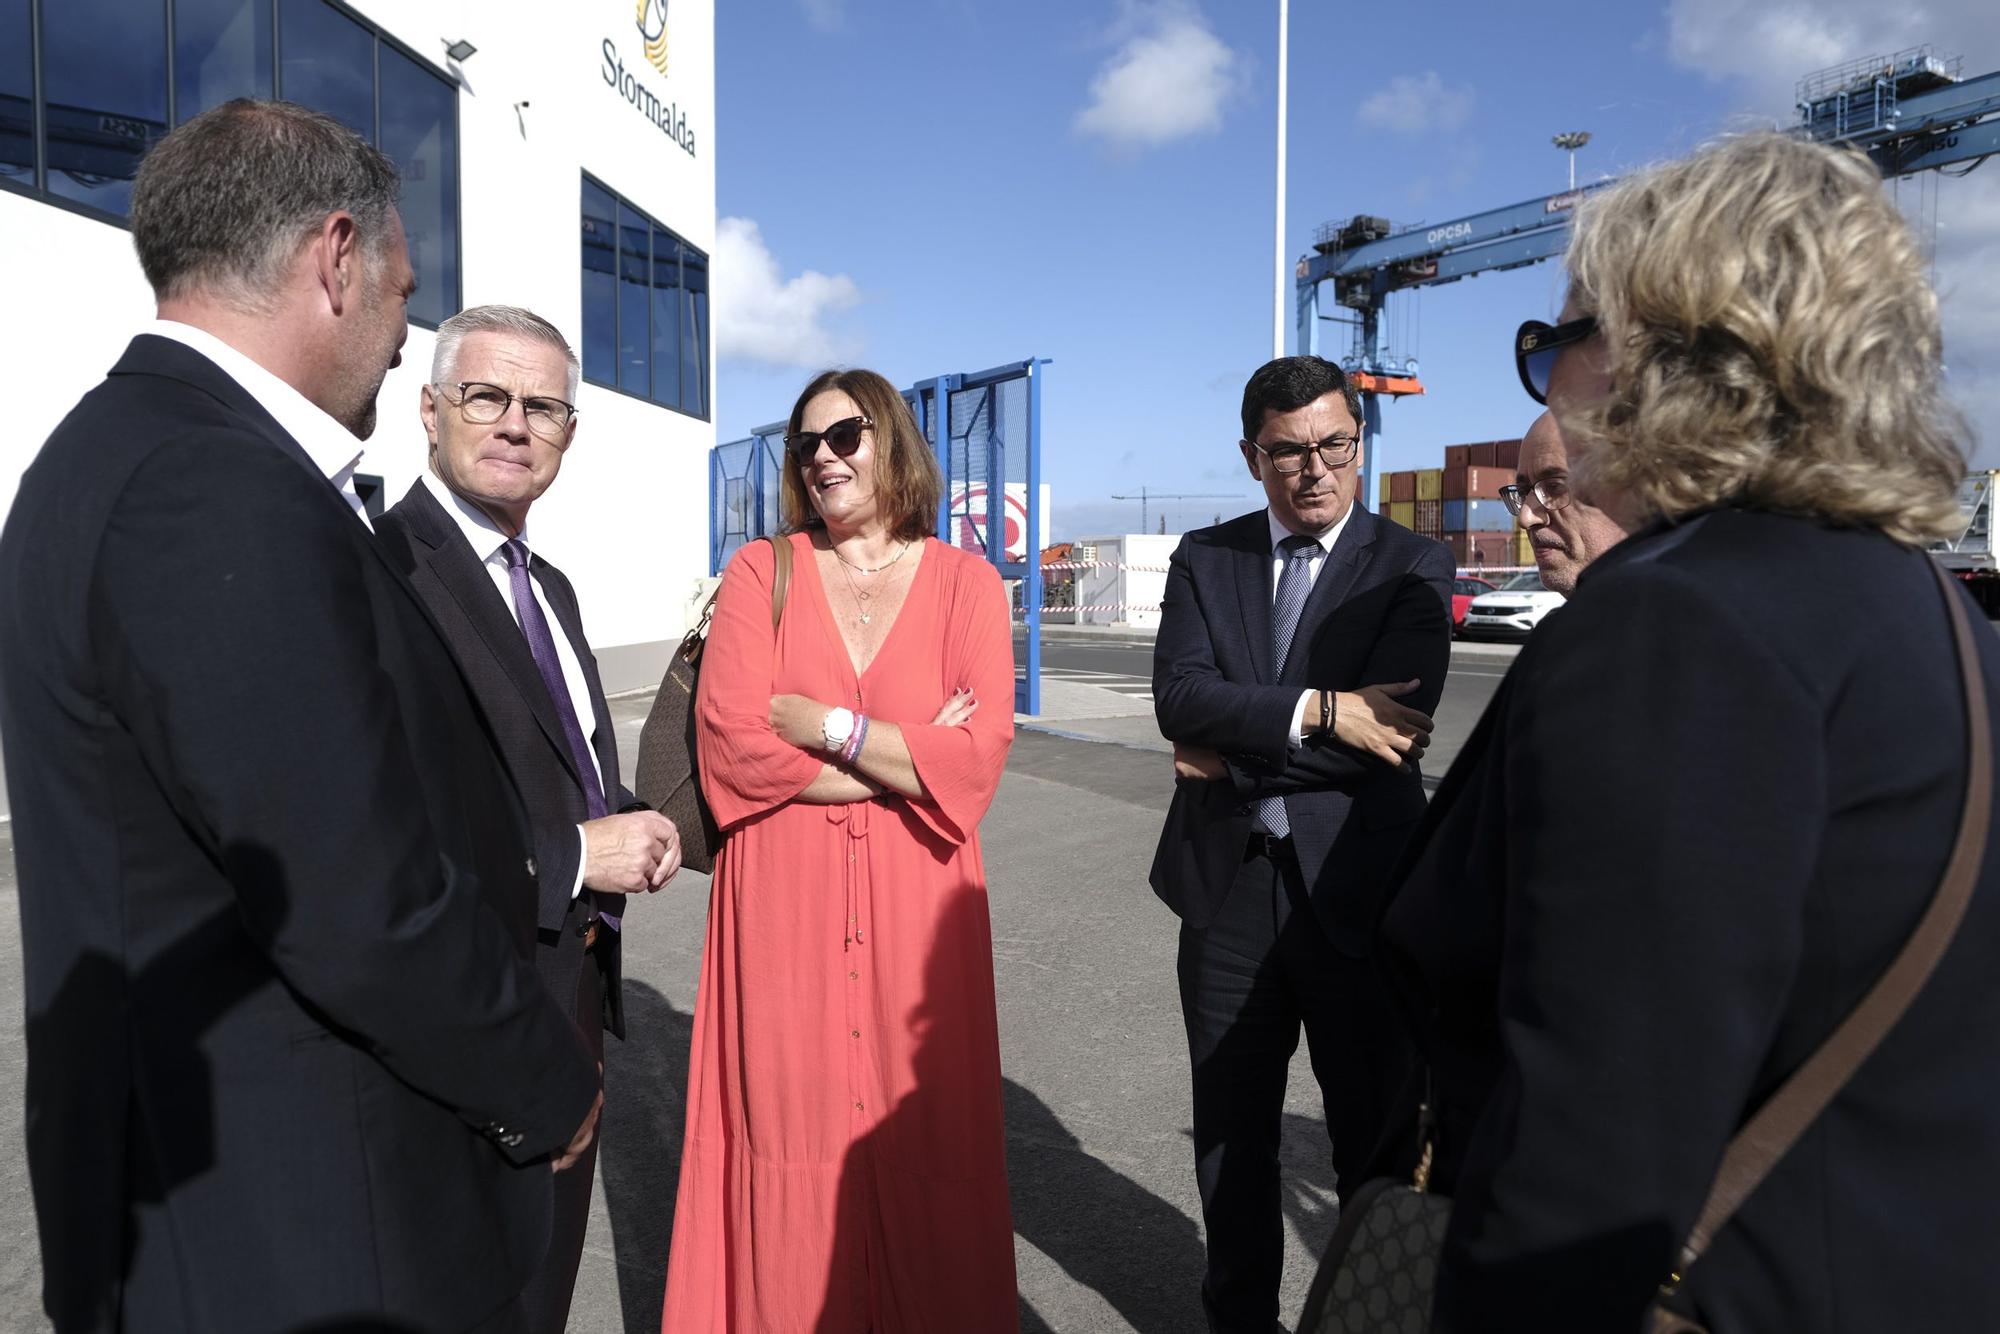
x=900 y=553
x=862 y=595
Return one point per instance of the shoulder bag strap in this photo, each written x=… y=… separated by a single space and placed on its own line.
x=1780 y=1122
x=781 y=547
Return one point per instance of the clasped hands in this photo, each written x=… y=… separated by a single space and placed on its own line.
x=635 y=852
x=1368 y=719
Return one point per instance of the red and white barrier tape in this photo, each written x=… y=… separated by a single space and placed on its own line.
x=1101 y=565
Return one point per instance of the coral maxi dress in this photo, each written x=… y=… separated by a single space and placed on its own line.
x=844 y=1167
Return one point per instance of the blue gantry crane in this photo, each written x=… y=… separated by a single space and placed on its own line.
x=1910 y=112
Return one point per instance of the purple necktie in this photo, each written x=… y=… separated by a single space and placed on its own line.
x=542 y=645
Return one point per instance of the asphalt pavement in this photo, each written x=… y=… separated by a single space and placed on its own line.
x=1107 y=1231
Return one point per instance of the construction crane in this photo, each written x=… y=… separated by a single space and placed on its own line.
x=1910 y=112
x=1144 y=495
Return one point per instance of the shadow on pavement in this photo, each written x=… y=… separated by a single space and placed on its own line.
x=1109 y=1233
x=645 y=1104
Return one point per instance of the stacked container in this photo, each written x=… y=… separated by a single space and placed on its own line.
x=1459 y=504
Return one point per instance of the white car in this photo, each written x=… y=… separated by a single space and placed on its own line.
x=1510 y=611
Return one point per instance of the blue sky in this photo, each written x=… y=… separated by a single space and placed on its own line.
x=929 y=186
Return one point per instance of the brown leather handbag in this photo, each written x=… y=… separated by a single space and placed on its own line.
x=1379 y=1273
x=667 y=777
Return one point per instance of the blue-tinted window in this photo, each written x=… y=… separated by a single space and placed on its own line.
x=666 y=318
x=645 y=305
x=694 y=332
x=329 y=63
x=222 y=49
x=104 y=76
x=600 y=285
x=420 y=135
x=17 y=95
x=634 y=251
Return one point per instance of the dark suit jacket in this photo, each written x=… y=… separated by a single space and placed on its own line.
x=287 y=1057
x=427 y=544
x=1379 y=613
x=1703 y=812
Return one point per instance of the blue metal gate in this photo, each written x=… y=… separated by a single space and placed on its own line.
x=986 y=428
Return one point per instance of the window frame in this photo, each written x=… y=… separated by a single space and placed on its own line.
x=654 y=229
x=38 y=190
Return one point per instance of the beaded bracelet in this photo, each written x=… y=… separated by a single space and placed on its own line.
x=852 y=750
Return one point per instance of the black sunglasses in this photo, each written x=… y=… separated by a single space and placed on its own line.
x=843 y=438
x=1536 y=346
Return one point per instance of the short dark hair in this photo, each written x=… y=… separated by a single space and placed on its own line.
x=1290 y=383
x=224 y=201
x=909 y=485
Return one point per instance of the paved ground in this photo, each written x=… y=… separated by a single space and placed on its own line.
x=1105 y=1212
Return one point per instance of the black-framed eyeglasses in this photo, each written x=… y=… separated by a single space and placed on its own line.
x=1551 y=493
x=483 y=404
x=1536 y=345
x=843 y=438
x=1336 y=451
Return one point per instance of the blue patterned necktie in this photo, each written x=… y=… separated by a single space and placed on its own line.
x=1294 y=586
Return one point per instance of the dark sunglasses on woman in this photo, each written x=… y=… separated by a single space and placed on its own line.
x=843 y=438
x=1536 y=346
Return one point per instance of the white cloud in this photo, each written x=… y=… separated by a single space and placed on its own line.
x=1761 y=48
x=1170 y=78
x=762 y=316
x=826 y=15
x=1419 y=105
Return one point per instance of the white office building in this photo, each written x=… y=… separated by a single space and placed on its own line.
x=554 y=156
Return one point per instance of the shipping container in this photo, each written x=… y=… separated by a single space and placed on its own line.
x=1477 y=516
x=1403 y=512
x=1382 y=492
x=1475 y=483
x=1457 y=456
x=1481 y=456
x=1430 y=518
x=1524 y=549
x=1402 y=486
x=1475 y=551
x=1429 y=480
x=1507 y=454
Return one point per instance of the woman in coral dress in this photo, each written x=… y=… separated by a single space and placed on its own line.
x=844 y=1164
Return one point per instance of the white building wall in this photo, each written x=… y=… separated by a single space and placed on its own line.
x=1116 y=591
x=628 y=517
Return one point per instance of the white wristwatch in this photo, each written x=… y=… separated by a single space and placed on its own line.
x=837 y=728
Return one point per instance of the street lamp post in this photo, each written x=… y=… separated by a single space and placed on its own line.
x=1281 y=272
x=1572 y=141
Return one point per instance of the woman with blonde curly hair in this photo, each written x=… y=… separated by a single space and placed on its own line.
x=1716 y=794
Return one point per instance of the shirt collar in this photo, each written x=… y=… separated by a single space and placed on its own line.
x=485 y=535
x=1326 y=539
x=331 y=446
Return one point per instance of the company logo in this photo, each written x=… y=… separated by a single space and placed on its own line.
x=653 y=30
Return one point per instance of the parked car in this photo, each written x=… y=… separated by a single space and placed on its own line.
x=1511 y=611
x=1463 y=589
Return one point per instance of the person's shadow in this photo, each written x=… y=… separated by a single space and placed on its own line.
x=645 y=1111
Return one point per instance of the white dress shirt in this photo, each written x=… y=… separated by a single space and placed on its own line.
x=1315 y=564
x=331 y=446
x=487 y=541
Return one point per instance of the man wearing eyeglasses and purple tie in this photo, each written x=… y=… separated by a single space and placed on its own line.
x=499 y=418
x=1301 y=650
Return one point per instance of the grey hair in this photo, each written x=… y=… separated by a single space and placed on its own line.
x=499 y=320
x=223 y=203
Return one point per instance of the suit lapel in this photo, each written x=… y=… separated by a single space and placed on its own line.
x=1344 y=564
x=454 y=565
x=1250 y=552
x=562 y=601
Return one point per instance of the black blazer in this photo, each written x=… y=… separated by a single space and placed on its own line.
x=1702 y=813
x=427 y=544
x=288 y=1061
x=1379 y=613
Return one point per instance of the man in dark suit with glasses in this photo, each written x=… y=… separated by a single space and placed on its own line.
x=1301 y=650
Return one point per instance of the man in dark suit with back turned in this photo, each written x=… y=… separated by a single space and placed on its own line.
x=289 y=1062
x=499 y=416
x=1287 y=638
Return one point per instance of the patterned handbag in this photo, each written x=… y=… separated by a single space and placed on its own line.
x=1379 y=1273
x=665 y=777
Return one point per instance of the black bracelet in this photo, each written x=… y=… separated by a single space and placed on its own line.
x=1326 y=713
